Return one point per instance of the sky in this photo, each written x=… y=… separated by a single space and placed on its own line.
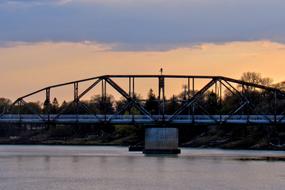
x=43 y=42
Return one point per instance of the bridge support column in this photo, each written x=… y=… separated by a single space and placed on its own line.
x=161 y=141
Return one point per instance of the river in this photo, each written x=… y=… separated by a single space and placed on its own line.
x=103 y=167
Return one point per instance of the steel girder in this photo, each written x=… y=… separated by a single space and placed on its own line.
x=134 y=102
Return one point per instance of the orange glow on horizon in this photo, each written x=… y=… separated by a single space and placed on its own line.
x=27 y=67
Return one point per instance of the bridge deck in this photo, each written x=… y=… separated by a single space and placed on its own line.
x=142 y=119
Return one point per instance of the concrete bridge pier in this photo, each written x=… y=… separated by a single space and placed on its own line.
x=161 y=141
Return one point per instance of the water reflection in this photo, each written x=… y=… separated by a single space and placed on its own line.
x=47 y=163
x=75 y=159
x=60 y=168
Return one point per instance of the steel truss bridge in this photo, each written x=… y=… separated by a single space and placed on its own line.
x=185 y=113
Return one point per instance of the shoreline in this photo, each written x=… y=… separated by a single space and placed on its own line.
x=122 y=145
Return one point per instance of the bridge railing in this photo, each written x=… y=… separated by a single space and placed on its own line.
x=121 y=119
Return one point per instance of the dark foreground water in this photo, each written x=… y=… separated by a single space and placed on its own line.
x=86 y=168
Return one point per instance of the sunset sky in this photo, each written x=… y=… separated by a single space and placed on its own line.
x=43 y=42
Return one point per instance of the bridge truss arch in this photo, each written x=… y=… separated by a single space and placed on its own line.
x=189 y=110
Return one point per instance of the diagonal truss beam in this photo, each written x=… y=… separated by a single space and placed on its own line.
x=89 y=88
x=234 y=91
x=82 y=104
x=129 y=98
x=246 y=101
x=69 y=104
x=241 y=106
x=77 y=100
x=32 y=110
x=193 y=99
x=207 y=113
x=126 y=106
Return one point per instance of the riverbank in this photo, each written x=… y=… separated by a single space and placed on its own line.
x=240 y=137
x=225 y=137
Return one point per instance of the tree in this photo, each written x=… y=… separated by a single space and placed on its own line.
x=121 y=105
x=184 y=94
x=31 y=108
x=54 y=106
x=255 y=78
x=151 y=103
x=211 y=102
x=172 y=105
x=4 y=104
x=256 y=97
x=102 y=104
x=64 y=107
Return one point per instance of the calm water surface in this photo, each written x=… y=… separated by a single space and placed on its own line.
x=89 y=168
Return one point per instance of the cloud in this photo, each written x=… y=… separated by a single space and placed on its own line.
x=137 y=25
x=33 y=2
